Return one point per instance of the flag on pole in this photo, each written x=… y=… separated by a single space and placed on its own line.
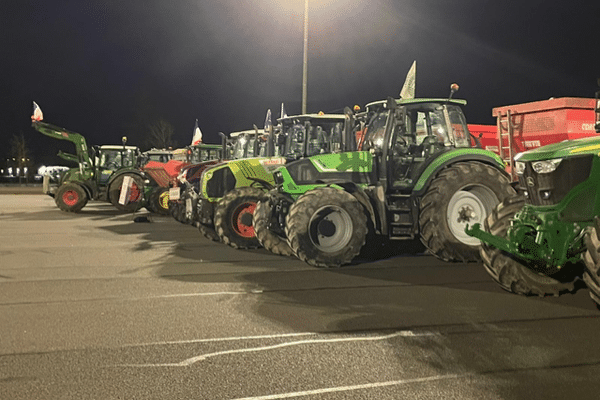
x=283 y=113
x=268 y=123
x=37 y=113
x=197 y=138
x=408 y=89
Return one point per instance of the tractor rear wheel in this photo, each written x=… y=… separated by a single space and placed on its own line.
x=136 y=196
x=159 y=200
x=591 y=258
x=326 y=227
x=70 y=197
x=266 y=237
x=233 y=217
x=464 y=193
x=512 y=275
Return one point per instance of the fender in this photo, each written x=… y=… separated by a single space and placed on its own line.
x=452 y=157
x=360 y=195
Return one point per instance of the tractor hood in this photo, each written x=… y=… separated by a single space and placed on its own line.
x=566 y=148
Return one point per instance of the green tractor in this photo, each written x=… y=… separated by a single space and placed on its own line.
x=100 y=174
x=230 y=191
x=416 y=176
x=533 y=243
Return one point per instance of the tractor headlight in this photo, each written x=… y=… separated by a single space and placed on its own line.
x=519 y=167
x=547 y=166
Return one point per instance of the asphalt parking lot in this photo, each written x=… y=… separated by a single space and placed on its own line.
x=97 y=306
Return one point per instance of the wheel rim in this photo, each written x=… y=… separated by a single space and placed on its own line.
x=330 y=229
x=134 y=193
x=70 y=198
x=469 y=206
x=163 y=200
x=242 y=220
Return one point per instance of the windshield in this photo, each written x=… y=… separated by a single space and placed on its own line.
x=459 y=127
x=239 y=147
x=111 y=159
x=313 y=137
x=200 y=155
x=375 y=130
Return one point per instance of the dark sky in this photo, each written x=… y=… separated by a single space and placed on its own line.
x=107 y=68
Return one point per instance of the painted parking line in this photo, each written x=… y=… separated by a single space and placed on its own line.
x=355 y=387
x=191 y=361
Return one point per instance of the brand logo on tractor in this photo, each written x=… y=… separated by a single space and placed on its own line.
x=530 y=181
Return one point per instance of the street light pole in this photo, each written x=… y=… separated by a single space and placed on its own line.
x=305 y=60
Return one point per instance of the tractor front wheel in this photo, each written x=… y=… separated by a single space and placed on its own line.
x=326 y=227
x=208 y=232
x=591 y=258
x=462 y=194
x=159 y=201
x=233 y=217
x=266 y=237
x=511 y=274
x=70 y=197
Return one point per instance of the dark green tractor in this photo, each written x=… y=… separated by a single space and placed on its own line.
x=99 y=175
x=533 y=242
x=416 y=176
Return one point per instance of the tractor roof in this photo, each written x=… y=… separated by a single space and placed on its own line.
x=117 y=147
x=382 y=103
x=306 y=117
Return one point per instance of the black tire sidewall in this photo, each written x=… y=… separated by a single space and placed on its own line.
x=114 y=192
x=223 y=217
x=298 y=221
x=81 y=201
x=435 y=232
x=268 y=239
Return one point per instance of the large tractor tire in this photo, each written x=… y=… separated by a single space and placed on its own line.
x=511 y=274
x=267 y=238
x=177 y=210
x=464 y=193
x=591 y=258
x=233 y=217
x=208 y=232
x=159 y=201
x=70 y=197
x=326 y=227
x=136 y=197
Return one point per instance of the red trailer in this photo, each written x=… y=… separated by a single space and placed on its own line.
x=526 y=126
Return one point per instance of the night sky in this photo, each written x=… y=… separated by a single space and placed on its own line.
x=108 y=68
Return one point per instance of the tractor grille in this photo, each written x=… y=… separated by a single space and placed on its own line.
x=550 y=188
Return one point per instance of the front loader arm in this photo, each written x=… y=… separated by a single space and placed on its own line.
x=63 y=134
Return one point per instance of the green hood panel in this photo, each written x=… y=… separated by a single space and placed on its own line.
x=566 y=148
x=357 y=161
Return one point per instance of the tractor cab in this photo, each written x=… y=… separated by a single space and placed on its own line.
x=310 y=134
x=110 y=158
x=407 y=135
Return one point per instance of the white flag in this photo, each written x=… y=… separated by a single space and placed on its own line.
x=283 y=114
x=197 y=135
x=408 y=89
x=37 y=113
x=268 y=123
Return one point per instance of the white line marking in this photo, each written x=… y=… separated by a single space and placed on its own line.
x=193 y=360
x=164 y=296
x=226 y=339
x=355 y=387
